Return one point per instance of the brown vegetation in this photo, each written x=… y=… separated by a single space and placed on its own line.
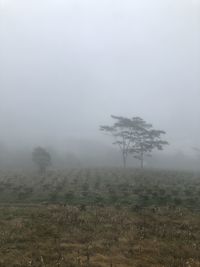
x=56 y=235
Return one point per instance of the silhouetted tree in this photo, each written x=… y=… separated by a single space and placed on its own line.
x=123 y=132
x=134 y=136
x=42 y=158
x=145 y=140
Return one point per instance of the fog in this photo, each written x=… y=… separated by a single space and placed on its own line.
x=66 y=66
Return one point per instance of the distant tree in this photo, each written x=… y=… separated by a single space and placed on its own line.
x=123 y=132
x=42 y=158
x=134 y=136
x=145 y=140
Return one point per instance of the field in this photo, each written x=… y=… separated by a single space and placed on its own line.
x=99 y=218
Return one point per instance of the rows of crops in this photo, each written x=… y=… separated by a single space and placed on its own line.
x=132 y=187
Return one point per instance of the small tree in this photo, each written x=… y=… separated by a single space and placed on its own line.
x=145 y=140
x=42 y=158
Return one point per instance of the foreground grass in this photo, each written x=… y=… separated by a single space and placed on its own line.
x=69 y=236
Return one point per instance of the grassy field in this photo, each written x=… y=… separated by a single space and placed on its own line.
x=100 y=217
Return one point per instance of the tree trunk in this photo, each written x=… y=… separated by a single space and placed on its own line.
x=124 y=160
x=142 y=160
x=42 y=169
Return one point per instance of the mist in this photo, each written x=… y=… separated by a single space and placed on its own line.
x=66 y=66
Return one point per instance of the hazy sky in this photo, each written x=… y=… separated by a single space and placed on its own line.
x=66 y=65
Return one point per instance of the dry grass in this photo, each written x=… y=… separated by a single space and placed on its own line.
x=65 y=236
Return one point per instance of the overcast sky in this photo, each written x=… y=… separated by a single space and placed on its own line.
x=66 y=65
